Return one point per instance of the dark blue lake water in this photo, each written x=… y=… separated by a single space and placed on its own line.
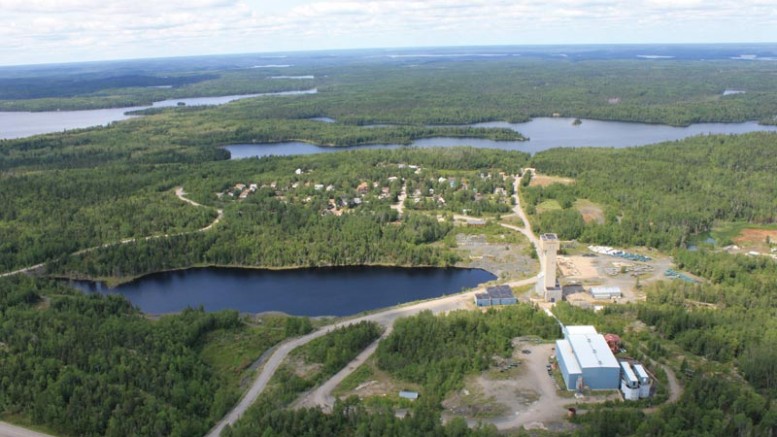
x=330 y=291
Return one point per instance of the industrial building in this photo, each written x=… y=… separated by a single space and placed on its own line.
x=629 y=383
x=635 y=381
x=605 y=293
x=585 y=360
x=547 y=283
x=644 y=381
x=499 y=295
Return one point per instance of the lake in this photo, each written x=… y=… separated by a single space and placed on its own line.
x=543 y=133
x=25 y=124
x=328 y=291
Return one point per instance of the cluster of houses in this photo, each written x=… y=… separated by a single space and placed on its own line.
x=337 y=201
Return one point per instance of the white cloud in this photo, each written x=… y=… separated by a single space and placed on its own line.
x=60 y=30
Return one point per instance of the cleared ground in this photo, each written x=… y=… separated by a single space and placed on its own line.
x=756 y=239
x=589 y=269
x=545 y=180
x=508 y=261
x=591 y=212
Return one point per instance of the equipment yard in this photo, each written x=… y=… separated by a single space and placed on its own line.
x=594 y=269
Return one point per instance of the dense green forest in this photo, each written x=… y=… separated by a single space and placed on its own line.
x=368 y=91
x=91 y=365
x=293 y=224
x=660 y=195
x=94 y=365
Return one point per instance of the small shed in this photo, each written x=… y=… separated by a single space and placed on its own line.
x=605 y=293
x=406 y=394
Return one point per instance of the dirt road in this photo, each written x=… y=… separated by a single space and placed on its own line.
x=400 y=206
x=385 y=318
x=8 y=430
x=178 y=192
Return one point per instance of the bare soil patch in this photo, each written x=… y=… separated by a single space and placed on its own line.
x=591 y=212
x=578 y=267
x=545 y=180
x=756 y=238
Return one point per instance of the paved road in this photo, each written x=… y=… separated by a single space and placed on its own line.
x=8 y=430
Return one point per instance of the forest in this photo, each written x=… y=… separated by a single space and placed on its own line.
x=83 y=202
x=361 y=91
x=91 y=365
x=290 y=225
x=660 y=195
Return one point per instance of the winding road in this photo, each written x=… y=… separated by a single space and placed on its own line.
x=322 y=396
x=385 y=318
x=178 y=192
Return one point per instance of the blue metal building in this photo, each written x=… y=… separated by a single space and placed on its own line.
x=499 y=295
x=585 y=360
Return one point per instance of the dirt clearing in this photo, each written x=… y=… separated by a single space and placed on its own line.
x=540 y=180
x=591 y=212
x=755 y=239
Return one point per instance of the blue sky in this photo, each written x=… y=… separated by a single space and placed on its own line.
x=42 y=31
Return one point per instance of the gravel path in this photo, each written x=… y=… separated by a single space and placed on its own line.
x=178 y=192
x=8 y=430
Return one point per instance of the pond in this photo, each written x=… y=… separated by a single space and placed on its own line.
x=543 y=134
x=329 y=291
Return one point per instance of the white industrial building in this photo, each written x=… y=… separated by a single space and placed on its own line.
x=644 y=381
x=605 y=293
x=635 y=381
x=629 y=383
x=585 y=360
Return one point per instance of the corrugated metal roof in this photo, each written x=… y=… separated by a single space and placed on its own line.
x=580 y=329
x=592 y=351
x=630 y=376
x=641 y=373
x=564 y=349
x=606 y=291
x=500 y=291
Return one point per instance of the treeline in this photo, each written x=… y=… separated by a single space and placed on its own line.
x=452 y=91
x=91 y=365
x=352 y=418
x=274 y=227
x=69 y=92
x=660 y=195
x=270 y=233
x=516 y=89
x=438 y=351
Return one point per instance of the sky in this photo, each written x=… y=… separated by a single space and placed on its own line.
x=47 y=31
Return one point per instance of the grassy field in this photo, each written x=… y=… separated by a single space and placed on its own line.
x=231 y=352
x=548 y=205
